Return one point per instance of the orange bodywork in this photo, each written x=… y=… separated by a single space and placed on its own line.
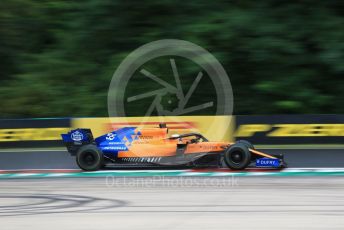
x=155 y=142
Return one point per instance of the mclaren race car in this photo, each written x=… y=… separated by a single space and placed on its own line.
x=140 y=147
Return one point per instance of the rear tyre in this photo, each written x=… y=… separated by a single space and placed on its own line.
x=237 y=156
x=89 y=158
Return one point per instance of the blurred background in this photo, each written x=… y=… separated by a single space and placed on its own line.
x=57 y=57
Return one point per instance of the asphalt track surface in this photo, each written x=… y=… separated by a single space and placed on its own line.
x=173 y=203
x=52 y=159
x=158 y=202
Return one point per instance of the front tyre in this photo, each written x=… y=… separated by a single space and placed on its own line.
x=89 y=158
x=246 y=143
x=237 y=156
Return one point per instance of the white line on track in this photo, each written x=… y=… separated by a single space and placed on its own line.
x=31 y=150
x=41 y=170
x=25 y=174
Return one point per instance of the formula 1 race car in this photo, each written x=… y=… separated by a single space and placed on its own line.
x=152 y=146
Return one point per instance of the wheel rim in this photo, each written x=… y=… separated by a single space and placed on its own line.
x=88 y=158
x=237 y=157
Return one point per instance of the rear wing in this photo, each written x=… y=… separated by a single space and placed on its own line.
x=76 y=138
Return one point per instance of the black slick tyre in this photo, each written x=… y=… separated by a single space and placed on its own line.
x=247 y=143
x=89 y=158
x=237 y=156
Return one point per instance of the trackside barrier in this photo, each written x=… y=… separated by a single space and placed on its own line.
x=291 y=129
x=18 y=133
x=260 y=130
